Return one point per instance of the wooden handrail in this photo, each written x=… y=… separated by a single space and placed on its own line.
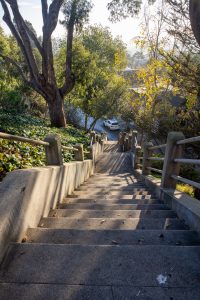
x=187 y=161
x=158 y=147
x=155 y=170
x=156 y=158
x=69 y=148
x=11 y=137
x=190 y=140
x=186 y=181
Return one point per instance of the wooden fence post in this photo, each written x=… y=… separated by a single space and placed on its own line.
x=126 y=143
x=91 y=154
x=170 y=167
x=146 y=161
x=54 y=150
x=137 y=155
x=129 y=140
x=134 y=140
x=122 y=141
x=79 y=155
x=93 y=135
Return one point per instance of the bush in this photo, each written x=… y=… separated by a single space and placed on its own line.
x=16 y=155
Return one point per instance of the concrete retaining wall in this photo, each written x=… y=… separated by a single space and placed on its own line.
x=28 y=195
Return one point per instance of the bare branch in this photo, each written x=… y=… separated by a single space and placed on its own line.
x=34 y=38
x=24 y=41
x=10 y=60
x=52 y=21
x=44 y=10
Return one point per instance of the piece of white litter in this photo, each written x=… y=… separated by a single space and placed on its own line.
x=138 y=294
x=161 y=279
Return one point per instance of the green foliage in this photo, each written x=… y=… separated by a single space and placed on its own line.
x=97 y=60
x=187 y=189
x=76 y=11
x=122 y=9
x=17 y=155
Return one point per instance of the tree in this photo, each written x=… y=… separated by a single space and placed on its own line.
x=97 y=60
x=41 y=76
x=194 y=8
x=124 y=8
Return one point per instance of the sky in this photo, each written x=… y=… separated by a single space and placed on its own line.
x=127 y=29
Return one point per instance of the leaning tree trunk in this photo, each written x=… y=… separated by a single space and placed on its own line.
x=195 y=18
x=56 y=111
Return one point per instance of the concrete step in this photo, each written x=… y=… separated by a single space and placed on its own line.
x=141 y=266
x=117 y=214
x=110 y=184
x=113 y=192
x=112 y=237
x=115 y=179
x=114 y=206
x=110 y=201
x=100 y=188
x=10 y=291
x=112 y=223
x=122 y=195
x=22 y=291
x=108 y=196
x=110 y=191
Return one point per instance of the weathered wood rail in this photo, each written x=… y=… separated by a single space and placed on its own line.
x=54 y=148
x=172 y=159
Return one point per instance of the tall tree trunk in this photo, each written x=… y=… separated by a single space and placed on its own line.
x=57 y=112
x=194 y=6
x=86 y=121
x=93 y=124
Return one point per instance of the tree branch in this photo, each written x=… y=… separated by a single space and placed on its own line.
x=10 y=60
x=34 y=38
x=44 y=10
x=24 y=41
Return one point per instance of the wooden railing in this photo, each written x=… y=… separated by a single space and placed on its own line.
x=172 y=160
x=54 y=148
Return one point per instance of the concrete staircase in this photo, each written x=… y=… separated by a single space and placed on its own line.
x=111 y=239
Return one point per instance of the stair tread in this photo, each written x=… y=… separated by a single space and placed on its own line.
x=110 y=237
x=103 y=265
x=110 y=197
x=16 y=291
x=112 y=223
x=78 y=213
x=111 y=201
x=110 y=206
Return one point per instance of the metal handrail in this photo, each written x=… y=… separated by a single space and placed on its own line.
x=190 y=140
x=11 y=137
x=187 y=161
